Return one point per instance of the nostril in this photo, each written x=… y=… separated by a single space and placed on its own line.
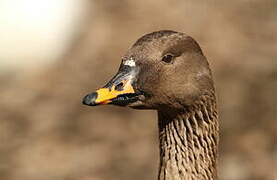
x=119 y=87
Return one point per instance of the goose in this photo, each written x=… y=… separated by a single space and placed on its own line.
x=167 y=71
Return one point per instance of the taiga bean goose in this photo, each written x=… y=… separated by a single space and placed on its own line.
x=167 y=71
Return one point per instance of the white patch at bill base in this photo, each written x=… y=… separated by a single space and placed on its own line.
x=129 y=62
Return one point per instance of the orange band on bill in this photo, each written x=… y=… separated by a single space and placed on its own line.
x=105 y=95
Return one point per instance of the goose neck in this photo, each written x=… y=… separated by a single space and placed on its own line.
x=188 y=143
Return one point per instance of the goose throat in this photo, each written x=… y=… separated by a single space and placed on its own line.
x=189 y=143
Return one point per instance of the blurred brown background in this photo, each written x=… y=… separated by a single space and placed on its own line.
x=54 y=52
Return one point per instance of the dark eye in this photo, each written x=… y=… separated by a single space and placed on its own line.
x=168 y=58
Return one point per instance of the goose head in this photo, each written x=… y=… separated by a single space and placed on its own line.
x=163 y=69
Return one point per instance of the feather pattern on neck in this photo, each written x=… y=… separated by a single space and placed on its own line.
x=189 y=141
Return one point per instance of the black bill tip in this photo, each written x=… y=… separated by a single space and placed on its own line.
x=90 y=99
